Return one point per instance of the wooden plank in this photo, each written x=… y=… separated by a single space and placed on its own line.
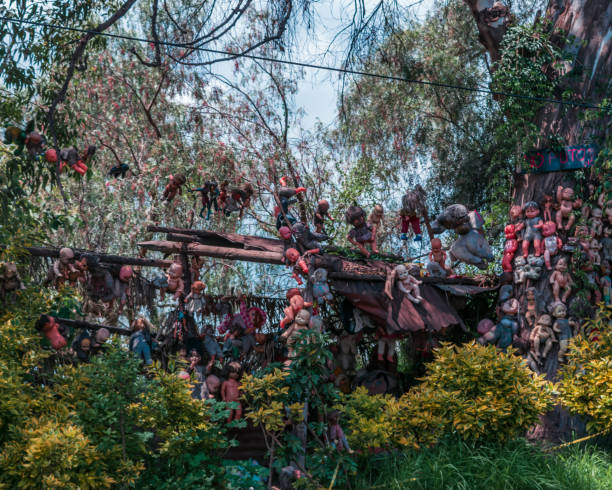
x=105 y=258
x=92 y=326
x=228 y=253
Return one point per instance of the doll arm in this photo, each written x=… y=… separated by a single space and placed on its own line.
x=188 y=298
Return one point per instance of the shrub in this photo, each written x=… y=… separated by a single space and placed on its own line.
x=586 y=379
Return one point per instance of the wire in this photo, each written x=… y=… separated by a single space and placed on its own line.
x=307 y=65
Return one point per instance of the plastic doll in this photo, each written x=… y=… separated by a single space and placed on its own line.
x=306 y=240
x=320 y=287
x=386 y=344
x=361 y=234
x=174 y=187
x=210 y=387
x=62 y=268
x=532 y=233
x=196 y=370
x=561 y=280
x=541 y=334
x=211 y=346
x=503 y=333
x=195 y=267
x=551 y=243
x=406 y=282
x=122 y=284
x=101 y=285
x=82 y=347
x=516 y=218
x=519 y=269
x=291 y=334
x=376 y=219
x=230 y=391
x=49 y=327
x=10 y=281
x=413 y=205
x=510 y=247
x=547 y=205
x=565 y=201
x=209 y=194
x=336 y=434
x=532 y=306
x=347 y=354
x=563 y=328
x=140 y=341
x=596 y=222
x=222 y=198
x=69 y=157
x=438 y=255
x=80 y=271
x=239 y=199
x=296 y=303
x=99 y=342
x=294 y=259
x=195 y=301
x=321 y=213
x=175 y=285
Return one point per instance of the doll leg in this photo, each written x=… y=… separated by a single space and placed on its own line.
x=535 y=349
x=238 y=412
x=525 y=248
x=373 y=242
x=404 y=235
x=416 y=227
x=381 y=349
x=566 y=294
x=362 y=249
x=390 y=349
x=547 y=259
x=570 y=221
x=547 y=348
x=563 y=344
x=536 y=245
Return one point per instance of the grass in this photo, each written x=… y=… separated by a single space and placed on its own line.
x=517 y=465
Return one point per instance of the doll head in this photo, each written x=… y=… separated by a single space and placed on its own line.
x=378 y=211
x=547 y=201
x=484 y=326
x=102 y=335
x=297 y=302
x=197 y=287
x=515 y=212
x=292 y=255
x=567 y=194
x=234 y=370
x=355 y=216
x=319 y=275
x=559 y=310
x=175 y=271
x=402 y=272
x=9 y=270
x=213 y=383
x=126 y=273
x=511 y=307
x=323 y=206
x=531 y=209
x=66 y=255
x=436 y=245
x=597 y=214
x=257 y=316
x=285 y=232
x=292 y=292
x=302 y=318
x=178 y=179
x=139 y=324
x=85 y=344
x=531 y=293
x=549 y=228
x=561 y=265
x=283 y=181
x=194 y=357
x=544 y=321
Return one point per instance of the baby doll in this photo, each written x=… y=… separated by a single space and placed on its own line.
x=376 y=218
x=361 y=234
x=321 y=213
x=533 y=223
x=386 y=343
x=542 y=333
x=566 y=202
x=62 y=268
x=49 y=327
x=503 y=333
x=320 y=288
x=406 y=282
x=294 y=259
x=438 y=255
x=510 y=247
x=551 y=243
x=547 y=205
x=230 y=391
x=291 y=334
x=561 y=280
x=174 y=276
x=296 y=303
x=174 y=187
x=122 y=283
x=140 y=340
x=413 y=205
x=195 y=301
x=563 y=328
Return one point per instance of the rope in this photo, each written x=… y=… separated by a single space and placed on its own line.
x=306 y=65
x=576 y=441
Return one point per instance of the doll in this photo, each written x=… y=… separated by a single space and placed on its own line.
x=175 y=284
x=533 y=269
x=296 y=303
x=239 y=199
x=100 y=285
x=210 y=387
x=541 y=334
x=291 y=334
x=560 y=279
x=211 y=346
x=119 y=171
x=62 y=268
x=209 y=194
x=533 y=223
x=566 y=204
x=413 y=205
x=551 y=243
x=195 y=301
x=174 y=187
x=320 y=288
x=98 y=345
x=196 y=370
x=386 y=343
x=230 y=391
x=49 y=327
x=69 y=157
x=140 y=342
x=306 y=240
x=80 y=271
x=532 y=306
x=503 y=333
x=376 y=219
x=195 y=267
x=596 y=222
x=605 y=203
x=336 y=434
x=222 y=198
x=122 y=283
x=519 y=269
x=516 y=217
x=510 y=247
x=438 y=255
x=321 y=213
x=361 y=234
x=406 y=282
x=595 y=247
x=293 y=258
x=563 y=328
x=286 y=197
x=9 y=279
x=82 y=347
x=347 y=344
x=547 y=205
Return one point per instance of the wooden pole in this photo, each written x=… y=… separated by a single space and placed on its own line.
x=106 y=258
x=92 y=326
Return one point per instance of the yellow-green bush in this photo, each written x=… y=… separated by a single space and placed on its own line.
x=586 y=379
x=52 y=454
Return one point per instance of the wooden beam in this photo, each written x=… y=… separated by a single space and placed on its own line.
x=106 y=258
x=195 y=248
x=92 y=326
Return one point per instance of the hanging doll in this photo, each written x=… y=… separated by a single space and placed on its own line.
x=222 y=198
x=386 y=344
x=361 y=234
x=82 y=347
x=69 y=157
x=376 y=219
x=196 y=266
x=296 y=303
x=62 y=268
x=211 y=346
x=209 y=194
x=320 y=288
x=119 y=170
x=195 y=301
x=306 y=240
x=551 y=243
x=560 y=280
x=406 y=282
x=174 y=187
x=295 y=260
x=566 y=204
x=510 y=247
x=140 y=342
x=321 y=213
x=174 y=282
x=196 y=370
x=413 y=205
x=122 y=285
x=10 y=282
x=291 y=334
x=230 y=391
x=239 y=199
x=532 y=233
x=100 y=286
x=286 y=196
x=80 y=271
x=49 y=327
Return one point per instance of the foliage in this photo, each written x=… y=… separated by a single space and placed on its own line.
x=456 y=464
x=586 y=378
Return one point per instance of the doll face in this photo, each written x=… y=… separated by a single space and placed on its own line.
x=213 y=383
x=297 y=302
x=531 y=212
x=559 y=311
x=530 y=294
x=436 y=244
x=402 y=272
x=292 y=255
x=175 y=271
x=544 y=321
x=197 y=287
x=194 y=356
x=515 y=211
x=547 y=201
x=567 y=194
x=596 y=213
x=510 y=307
x=125 y=273
x=359 y=221
x=323 y=206
x=561 y=266
x=303 y=317
x=320 y=275
x=549 y=228
x=85 y=345
x=285 y=232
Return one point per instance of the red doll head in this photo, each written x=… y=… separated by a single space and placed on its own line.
x=292 y=255
x=197 y=287
x=125 y=273
x=515 y=212
x=285 y=232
